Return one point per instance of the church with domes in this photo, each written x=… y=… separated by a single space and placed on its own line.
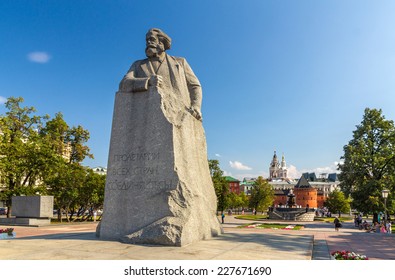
x=278 y=170
x=309 y=190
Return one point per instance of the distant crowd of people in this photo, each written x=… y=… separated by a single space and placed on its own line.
x=377 y=226
x=323 y=212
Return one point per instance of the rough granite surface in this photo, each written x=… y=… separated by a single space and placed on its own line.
x=158 y=189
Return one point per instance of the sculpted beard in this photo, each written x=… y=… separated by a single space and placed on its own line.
x=154 y=51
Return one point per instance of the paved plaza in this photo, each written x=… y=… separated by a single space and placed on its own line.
x=314 y=242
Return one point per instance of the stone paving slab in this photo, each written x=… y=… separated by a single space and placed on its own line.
x=315 y=241
x=237 y=245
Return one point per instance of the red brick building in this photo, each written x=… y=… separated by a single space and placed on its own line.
x=305 y=194
x=234 y=185
x=311 y=193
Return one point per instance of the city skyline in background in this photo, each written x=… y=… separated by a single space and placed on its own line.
x=291 y=77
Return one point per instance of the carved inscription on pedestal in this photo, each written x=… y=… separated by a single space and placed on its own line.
x=139 y=171
x=140 y=156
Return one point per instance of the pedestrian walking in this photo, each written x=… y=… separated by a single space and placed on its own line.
x=337 y=223
x=223 y=218
x=382 y=228
x=388 y=227
x=359 y=219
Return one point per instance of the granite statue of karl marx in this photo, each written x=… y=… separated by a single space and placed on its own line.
x=164 y=71
x=157 y=150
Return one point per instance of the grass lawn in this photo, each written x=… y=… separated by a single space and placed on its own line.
x=251 y=217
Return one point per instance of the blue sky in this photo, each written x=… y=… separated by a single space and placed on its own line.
x=290 y=76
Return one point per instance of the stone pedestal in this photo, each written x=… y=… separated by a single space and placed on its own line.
x=25 y=221
x=32 y=206
x=158 y=188
x=30 y=211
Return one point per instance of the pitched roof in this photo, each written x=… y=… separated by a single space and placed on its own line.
x=303 y=183
x=310 y=176
x=333 y=177
x=231 y=179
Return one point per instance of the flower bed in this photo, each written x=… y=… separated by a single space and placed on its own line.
x=272 y=226
x=7 y=233
x=347 y=255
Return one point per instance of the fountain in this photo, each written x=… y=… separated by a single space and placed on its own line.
x=291 y=199
x=292 y=211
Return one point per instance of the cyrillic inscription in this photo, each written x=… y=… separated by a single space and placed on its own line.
x=138 y=170
x=134 y=164
x=140 y=185
x=136 y=157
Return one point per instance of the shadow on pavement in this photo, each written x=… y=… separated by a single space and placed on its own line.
x=280 y=242
x=67 y=236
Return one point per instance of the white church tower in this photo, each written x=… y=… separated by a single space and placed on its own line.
x=278 y=170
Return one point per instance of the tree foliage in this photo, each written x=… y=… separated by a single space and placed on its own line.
x=39 y=155
x=369 y=162
x=93 y=195
x=220 y=185
x=244 y=200
x=234 y=200
x=24 y=155
x=262 y=195
x=337 y=202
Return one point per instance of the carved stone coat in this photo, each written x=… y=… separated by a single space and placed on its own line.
x=178 y=78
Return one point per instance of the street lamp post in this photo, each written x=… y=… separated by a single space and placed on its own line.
x=385 y=193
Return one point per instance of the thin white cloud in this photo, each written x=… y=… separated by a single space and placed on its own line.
x=238 y=165
x=319 y=171
x=293 y=172
x=241 y=176
x=39 y=57
x=337 y=163
x=3 y=100
x=264 y=174
x=327 y=169
x=217 y=155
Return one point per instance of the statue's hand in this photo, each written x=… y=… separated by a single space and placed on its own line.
x=155 y=80
x=196 y=112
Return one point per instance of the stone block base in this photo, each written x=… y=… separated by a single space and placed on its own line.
x=25 y=222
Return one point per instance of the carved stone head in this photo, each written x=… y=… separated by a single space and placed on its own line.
x=162 y=36
x=156 y=42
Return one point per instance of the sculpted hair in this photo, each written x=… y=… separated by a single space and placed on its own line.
x=166 y=40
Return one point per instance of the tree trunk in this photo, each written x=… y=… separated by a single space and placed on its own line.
x=60 y=215
x=9 y=210
x=67 y=214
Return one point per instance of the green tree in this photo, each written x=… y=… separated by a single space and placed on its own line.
x=220 y=185
x=67 y=177
x=237 y=201
x=234 y=200
x=215 y=170
x=91 y=195
x=369 y=162
x=337 y=202
x=262 y=195
x=24 y=155
x=244 y=200
x=65 y=184
x=55 y=132
x=39 y=156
